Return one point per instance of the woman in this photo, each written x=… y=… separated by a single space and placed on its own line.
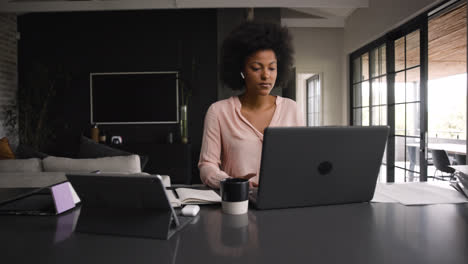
x=256 y=57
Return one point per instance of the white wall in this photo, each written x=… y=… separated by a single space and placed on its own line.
x=368 y=24
x=320 y=50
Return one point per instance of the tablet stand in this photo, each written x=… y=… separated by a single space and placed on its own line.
x=51 y=200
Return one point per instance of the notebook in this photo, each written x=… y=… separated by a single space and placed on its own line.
x=307 y=166
x=192 y=196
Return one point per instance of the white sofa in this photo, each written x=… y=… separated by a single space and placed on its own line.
x=35 y=172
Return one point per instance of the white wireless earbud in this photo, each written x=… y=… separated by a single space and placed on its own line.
x=242 y=75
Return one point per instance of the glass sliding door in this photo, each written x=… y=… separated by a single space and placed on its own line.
x=406 y=107
x=378 y=94
x=387 y=89
x=447 y=88
x=361 y=92
x=414 y=79
x=370 y=92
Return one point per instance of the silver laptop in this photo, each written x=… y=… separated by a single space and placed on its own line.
x=307 y=166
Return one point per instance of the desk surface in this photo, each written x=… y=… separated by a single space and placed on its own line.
x=355 y=233
x=450 y=148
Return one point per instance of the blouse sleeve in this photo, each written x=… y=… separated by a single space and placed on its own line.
x=210 y=154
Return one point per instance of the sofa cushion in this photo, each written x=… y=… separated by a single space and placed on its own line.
x=91 y=149
x=30 y=179
x=21 y=165
x=42 y=179
x=27 y=152
x=5 y=149
x=124 y=164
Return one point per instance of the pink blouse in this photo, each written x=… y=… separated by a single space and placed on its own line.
x=232 y=146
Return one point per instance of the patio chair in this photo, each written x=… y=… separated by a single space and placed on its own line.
x=442 y=164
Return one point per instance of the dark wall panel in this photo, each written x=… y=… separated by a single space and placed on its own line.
x=75 y=44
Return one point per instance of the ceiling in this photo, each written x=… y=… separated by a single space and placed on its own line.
x=315 y=17
x=294 y=13
x=446 y=46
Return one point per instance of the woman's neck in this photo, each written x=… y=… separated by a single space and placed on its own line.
x=256 y=102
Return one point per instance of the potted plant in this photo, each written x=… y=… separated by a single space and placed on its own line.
x=29 y=116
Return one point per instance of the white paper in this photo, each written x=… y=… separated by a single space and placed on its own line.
x=380 y=197
x=417 y=193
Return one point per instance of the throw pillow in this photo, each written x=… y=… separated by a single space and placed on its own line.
x=91 y=149
x=27 y=152
x=21 y=165
x=123 y=164
x=5 y=149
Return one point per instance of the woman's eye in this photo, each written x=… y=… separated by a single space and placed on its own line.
x=255 y=69
x=272 y=69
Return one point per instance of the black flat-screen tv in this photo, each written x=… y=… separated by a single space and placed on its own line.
x=134 y=98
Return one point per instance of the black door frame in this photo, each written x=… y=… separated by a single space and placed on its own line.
x=419 y=22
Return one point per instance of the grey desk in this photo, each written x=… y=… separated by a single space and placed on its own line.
x=356 y=233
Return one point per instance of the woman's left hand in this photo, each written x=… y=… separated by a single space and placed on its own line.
x=253 y=184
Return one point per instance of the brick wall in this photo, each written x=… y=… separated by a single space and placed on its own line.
x=8 y=69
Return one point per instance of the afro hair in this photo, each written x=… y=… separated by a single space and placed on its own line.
x=249 y=38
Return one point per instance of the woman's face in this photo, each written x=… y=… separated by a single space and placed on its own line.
x=260 y=72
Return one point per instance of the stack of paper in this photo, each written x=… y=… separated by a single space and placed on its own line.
x=416 y=193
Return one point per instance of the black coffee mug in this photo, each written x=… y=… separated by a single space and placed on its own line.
x=234 y=195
